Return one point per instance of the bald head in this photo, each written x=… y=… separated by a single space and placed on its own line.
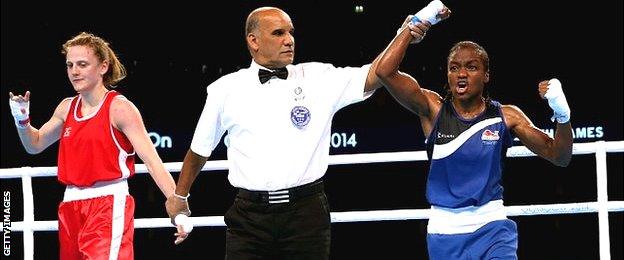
x=269 y=35
x=256 y=15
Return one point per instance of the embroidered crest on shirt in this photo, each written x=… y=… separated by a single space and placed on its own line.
x=300 y=116
x=488 y=135
x=67 y=132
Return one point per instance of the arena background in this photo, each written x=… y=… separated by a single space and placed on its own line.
x=173 y=50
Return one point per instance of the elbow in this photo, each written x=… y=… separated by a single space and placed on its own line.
x=383 y=72
x=32 y=151
x=560 y=154
x=562 y=163
x=563 y=160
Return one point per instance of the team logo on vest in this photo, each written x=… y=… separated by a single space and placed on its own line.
x=488 y=135
x=300 y=116
x=67 y=132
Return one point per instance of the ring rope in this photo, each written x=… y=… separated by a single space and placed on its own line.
x=603 y=206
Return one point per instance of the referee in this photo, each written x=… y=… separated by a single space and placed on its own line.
x=278 y=121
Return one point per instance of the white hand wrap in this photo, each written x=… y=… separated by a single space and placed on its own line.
x=185 y=222
x=557 y=101
x=20 y=113
x=429 y=13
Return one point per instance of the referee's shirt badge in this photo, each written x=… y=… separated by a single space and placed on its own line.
x=300 y=116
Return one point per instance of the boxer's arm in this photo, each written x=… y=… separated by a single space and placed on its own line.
x=36 y=140
x=557 y=150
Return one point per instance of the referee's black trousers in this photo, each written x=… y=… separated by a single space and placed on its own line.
x=297 y=229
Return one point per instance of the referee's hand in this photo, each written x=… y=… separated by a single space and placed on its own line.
x=175 y=206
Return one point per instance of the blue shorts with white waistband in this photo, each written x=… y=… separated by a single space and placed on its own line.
x=496 y=240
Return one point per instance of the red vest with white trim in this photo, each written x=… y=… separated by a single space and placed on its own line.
x=91 y=149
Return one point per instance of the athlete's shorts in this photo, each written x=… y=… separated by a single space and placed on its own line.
x=99 y=227
x=495 y=240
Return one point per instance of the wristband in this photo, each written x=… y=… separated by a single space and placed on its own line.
x=181 y=197
x=21 y=124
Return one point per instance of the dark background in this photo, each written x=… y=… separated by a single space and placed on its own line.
x=173 y=50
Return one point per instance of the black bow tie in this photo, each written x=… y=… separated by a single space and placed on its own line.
x=265 y=75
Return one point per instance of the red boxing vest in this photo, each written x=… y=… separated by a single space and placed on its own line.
x=91 y=149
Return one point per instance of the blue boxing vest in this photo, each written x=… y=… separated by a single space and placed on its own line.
x=466 y=157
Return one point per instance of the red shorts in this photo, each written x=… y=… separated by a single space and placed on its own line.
x=97 y=228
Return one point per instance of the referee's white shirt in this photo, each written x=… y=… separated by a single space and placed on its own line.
x=266 y=150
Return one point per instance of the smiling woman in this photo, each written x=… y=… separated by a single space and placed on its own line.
x=100 y=131
x=87 y=52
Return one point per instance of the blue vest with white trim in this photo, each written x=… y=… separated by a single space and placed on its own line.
x=466 y=157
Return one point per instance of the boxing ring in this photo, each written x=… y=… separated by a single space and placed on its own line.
x=602 y=205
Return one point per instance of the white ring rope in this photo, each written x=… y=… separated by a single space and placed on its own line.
x=603 y=206
x=516 y=151
x=362 y=216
